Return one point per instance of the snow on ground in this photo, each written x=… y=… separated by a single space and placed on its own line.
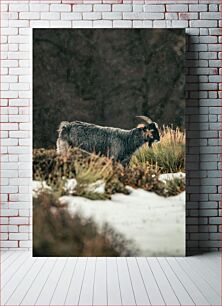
x=170 y=176
x=38 y=186
x=154 y=223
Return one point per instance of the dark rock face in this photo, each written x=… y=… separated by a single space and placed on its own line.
x=107 y=77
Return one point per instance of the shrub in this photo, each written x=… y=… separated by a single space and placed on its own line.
x=56 y=233
x=88 y=168
x=174 y=187
x=168 y=154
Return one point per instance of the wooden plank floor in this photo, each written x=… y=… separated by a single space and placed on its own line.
x=110 y=281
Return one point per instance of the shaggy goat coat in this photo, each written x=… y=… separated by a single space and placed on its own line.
x=115 y=143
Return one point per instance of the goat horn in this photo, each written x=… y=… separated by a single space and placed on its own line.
x=146 y=119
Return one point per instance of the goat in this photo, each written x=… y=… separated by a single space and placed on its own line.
x=115 y=143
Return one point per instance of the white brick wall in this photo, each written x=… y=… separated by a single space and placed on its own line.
x=201 y=20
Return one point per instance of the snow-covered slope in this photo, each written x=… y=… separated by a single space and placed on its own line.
x=154 y=223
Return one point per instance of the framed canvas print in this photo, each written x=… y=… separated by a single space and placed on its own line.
x=108 y=142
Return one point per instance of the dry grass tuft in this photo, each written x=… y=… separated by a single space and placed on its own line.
x=168 y=155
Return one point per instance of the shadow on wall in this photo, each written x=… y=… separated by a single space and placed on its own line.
x=193 y=192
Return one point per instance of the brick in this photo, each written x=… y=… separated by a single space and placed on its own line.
x=154 y=8
x=147 y=24
x=9 y=212
x=208 y=39
x=71 y=16
x=204 y=31
x=138 y=23
x=25 y=244
x=19 y=197
x=4 y=236
x=177 y=8
x=92 y=15
x=60 y=24
x=102 y=24
x=9 y=63
x=18 y=55
x=18 y=23
x=122 y=23
x=207 y=15
x=200 y=236
x=9 y=228
x=19 y=220
x=4 y=86
x=39 y=7
x=26 y=47
x=9 y=142
x=112 y=15
x=187 y=16
x=19 y=86
x=60 y=8
x=29 y=15
x=209 y=166
x=197 y=7
x=207 y=86
x=18 y=150
x=39 y=24
x=208 y=205
x=24 y=142
x=171 y=16
x=203 y=23
x=135 y=15
x=215 y=78
x=4 y=7
x=19 y=102
x=215 y=220
x=82 y=24
x=25 y=31
x=215 y=63
x=9 y=31
x=180 y=23
x=213 y=7
x=162 y=23
x=19 y=71
x=19 y=118
x=4 y=134
x=51 y=16
x=137 y=8
x=203 y=71
x=215 y=236
x=216 y=31
x=82 y=8
x=24 y=212
x=24 y=126
x=4 y=220
x=3 y=102
x=9 y=94
x=20 y=7
x=24 y=229
x=9 y=126
x=102 y=7
x=20 y=182
x=9 y=173
x=18 y=236
x=122 y=7
x=9 y=244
